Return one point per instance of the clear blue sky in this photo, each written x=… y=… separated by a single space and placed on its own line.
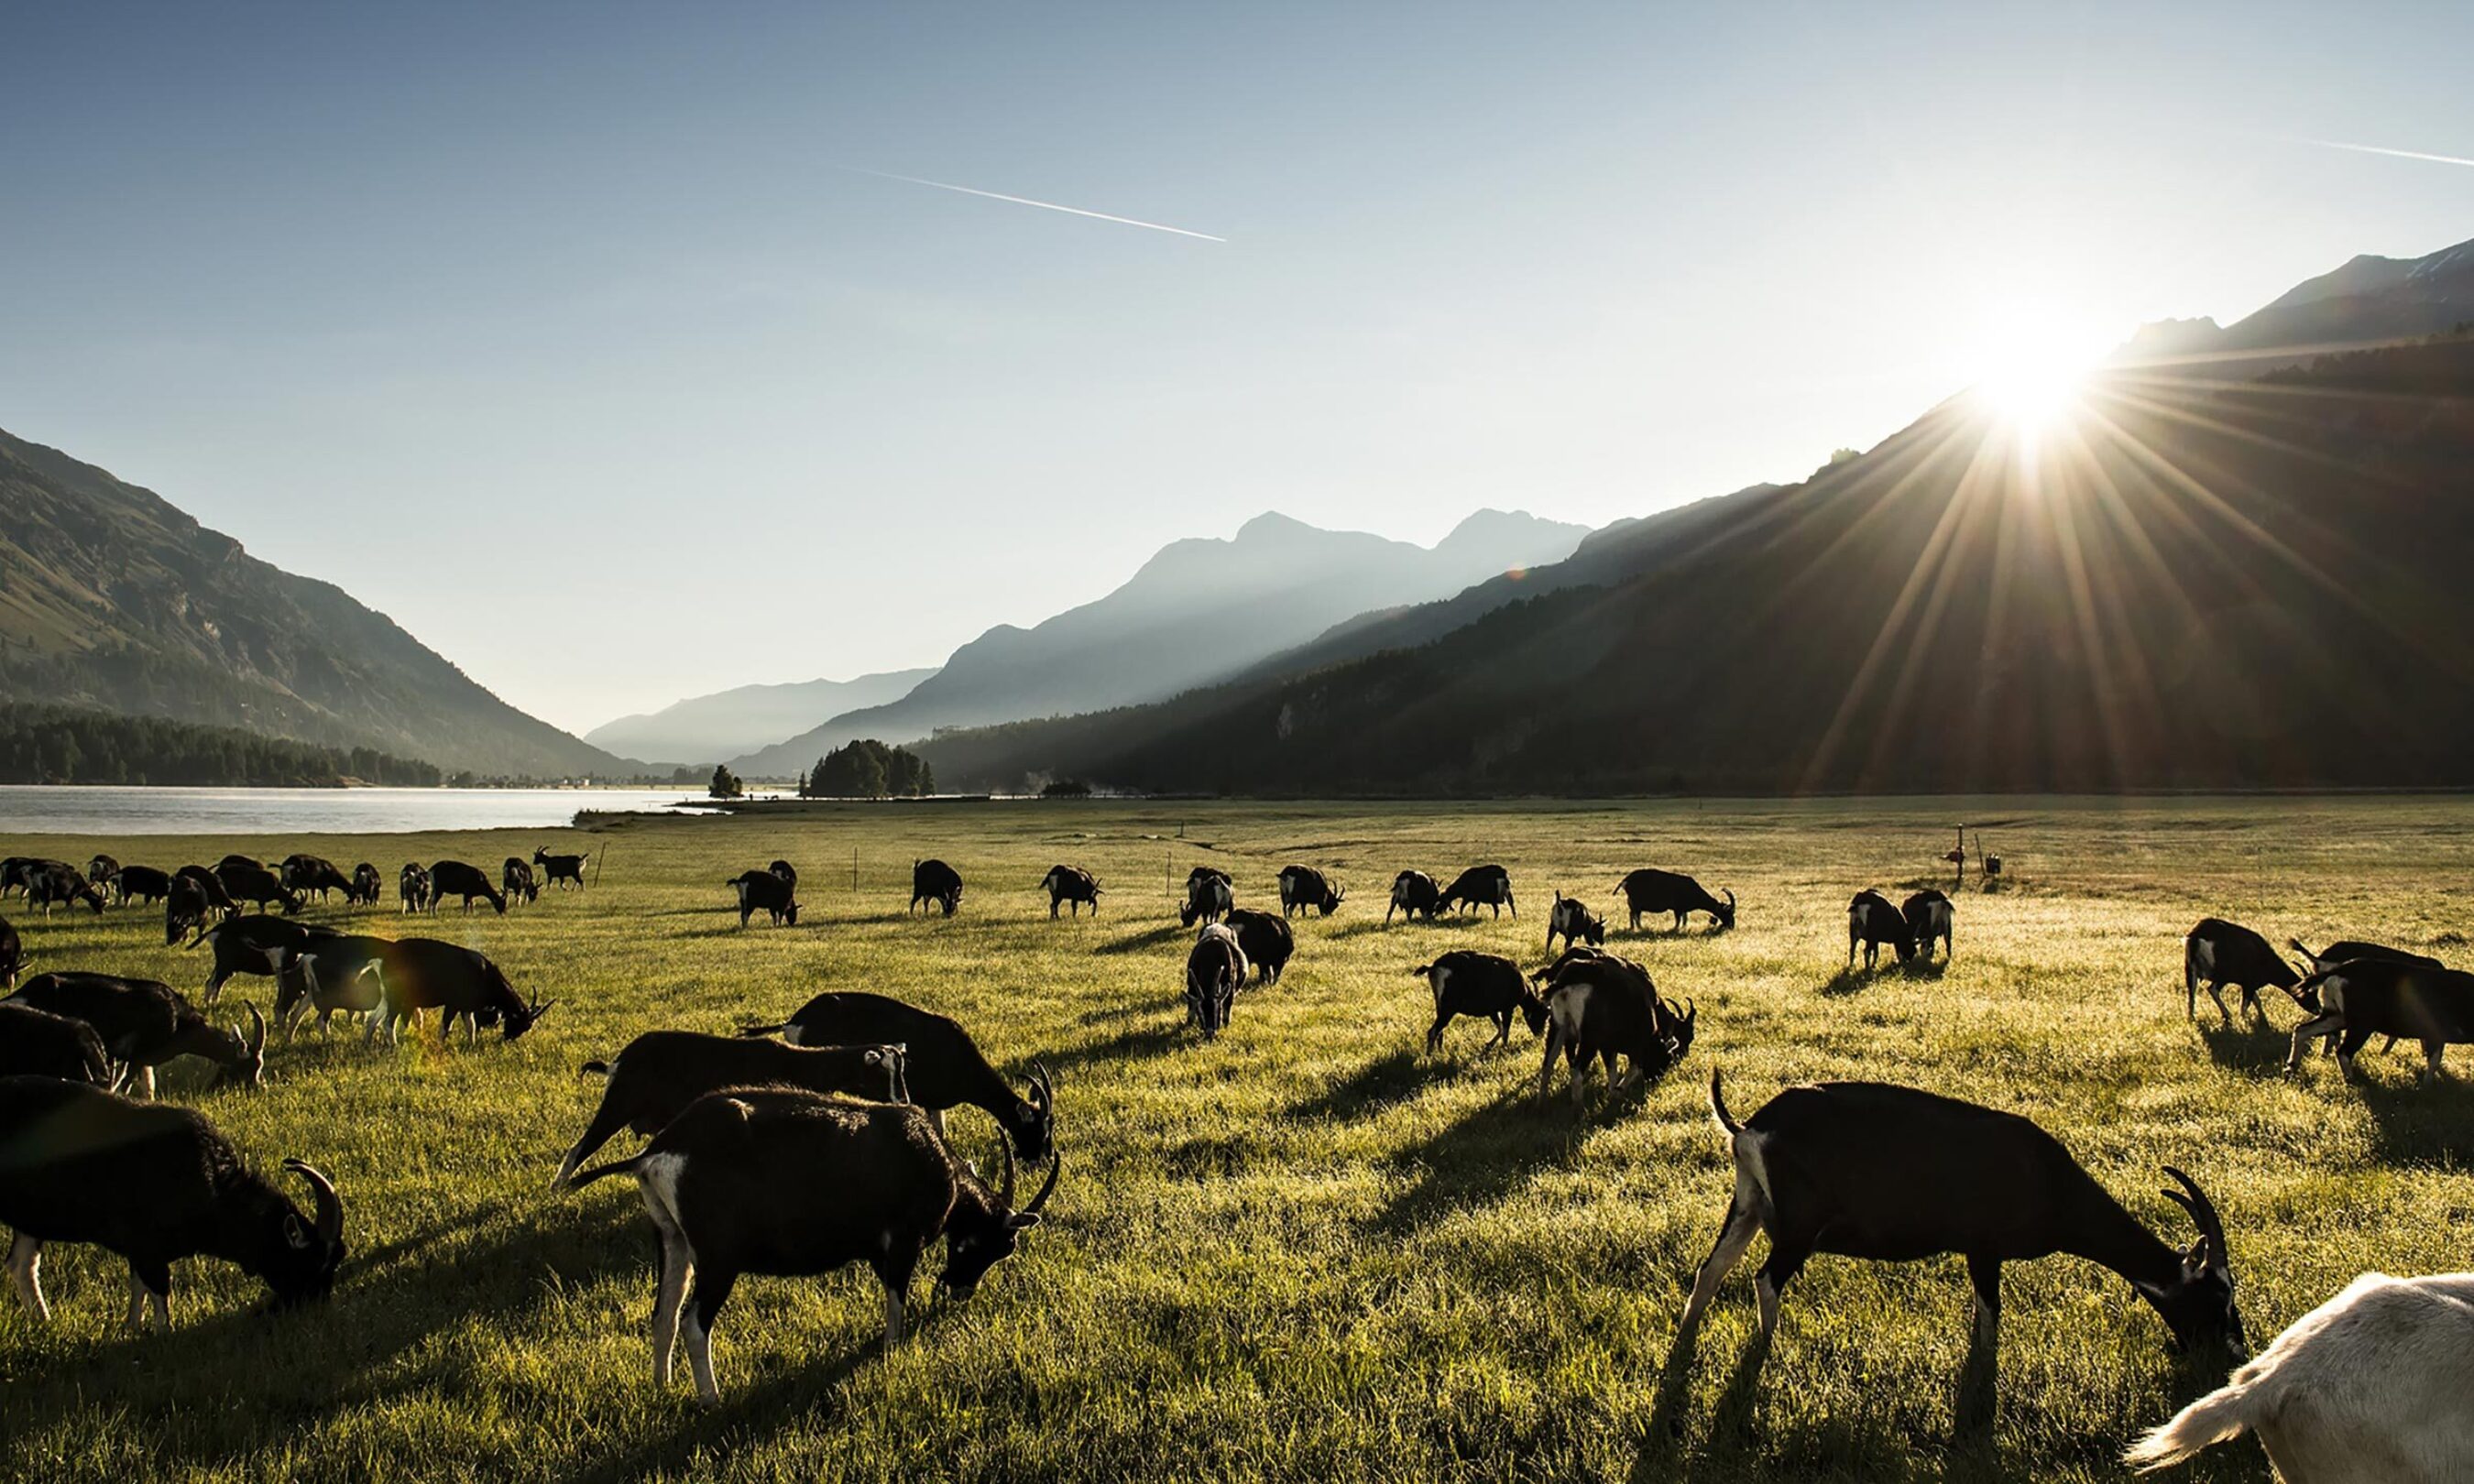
x=557 y=333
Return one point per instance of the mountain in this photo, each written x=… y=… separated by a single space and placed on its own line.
x=730 y=723
x=2370 y=298
x=1200 y=611
x=110 y=597
x=2199 y=585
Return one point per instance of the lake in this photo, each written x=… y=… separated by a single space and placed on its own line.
x=42 y=810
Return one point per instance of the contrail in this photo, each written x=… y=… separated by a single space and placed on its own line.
x=1025 y=201
x=2373 y=149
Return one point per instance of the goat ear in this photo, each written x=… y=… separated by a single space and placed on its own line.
x=297 y=1235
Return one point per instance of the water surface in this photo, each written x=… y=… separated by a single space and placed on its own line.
x=28 y=808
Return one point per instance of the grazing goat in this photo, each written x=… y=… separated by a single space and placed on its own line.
x=656 y=1076
x=2217 y=953
x=457 y=878
x=1215 y=971
x=516 y=879
x=101 y=869
x=140 y=883
x=1873 y=922
x=941 y=1065
x=367 y=886
x=1303 y=888
x=333 y=972
x=60 y=885
x=152 y=1185
x=2385 y=997
x=412 y=888
x=423 y=973
x=762 y=891
x=1928 y=913
x=1666 y=890
x=2369 y=1388
x=12 y=955
x=246 y=880
x=785 y=870
x=1072 y=884
x=1862 y=1169
x=561 y=870
x=306 y=873
x=38 y=1044
x=786 y=1182
x=254 y=946
x=1572 y=919
x=935 y=881
x=1265 y=940
x=18 y=872
x=2345 y=952
x=1483 y=987
x=185 y=909
x=1603 y=1008
x=144 y=1023
x=1414 y=892
x=1481 y=886
x=1209 y=895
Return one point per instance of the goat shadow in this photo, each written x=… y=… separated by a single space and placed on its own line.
x=1379 y=1085
x=1131 y=1044
x=2412 y=1122
x=2246 y=1044
x=1478 y=1159
x=1142 y=942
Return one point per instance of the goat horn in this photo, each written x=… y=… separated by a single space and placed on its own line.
x=1056 y=1163
x=2203 y=1215
x=1004 y=1190
x=1039 y=1079
x=255 y=1040
x=330 y=1205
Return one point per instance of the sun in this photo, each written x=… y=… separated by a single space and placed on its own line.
x=2033 y=361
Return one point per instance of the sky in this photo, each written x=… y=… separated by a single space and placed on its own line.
x=598 y=346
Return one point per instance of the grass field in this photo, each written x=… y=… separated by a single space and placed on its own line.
x=1308 y=1251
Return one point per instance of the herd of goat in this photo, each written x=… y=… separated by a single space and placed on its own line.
x=2377 y=1383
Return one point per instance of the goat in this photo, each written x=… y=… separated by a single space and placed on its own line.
x=764 y=891
x=1603 y=1008
x=787 y=1183
x=941 y=1065
x=412 y=888
x=103 y=871
x=1873 y=922
x=788 y=873
x=2369 y=1388
x=457 y=878
x=254 y=946
x=1414 y=892
x=18 y=872
x=185 y=909
x=152 y=1185
x=2385 y=997
x=2215 y=953
x=329 y=973
x=38 y=1044
x=367 y=886
x=935 y=881
x=1209 y=895
x=60 y=885
x=1667 y=890
x=1928 y=913
x=1483 y=987
x=144 y=1023
x=1303 y=887
x=12 y=955
x=423 y=973
x=136 y=883
x=1862 y=1169
x=1572 y=920
x=516 y=879
x=1265 y=940
x=1481 y=886
x=2346 y=951
x=1070 y=884
x=1215 y=971
x=246 y=880
x=560 y=870
x=656 y=1076
x=306 y=873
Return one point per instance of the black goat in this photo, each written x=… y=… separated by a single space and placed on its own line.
x=1605 y=1008
x=423 y=973
x=457 y=878
x=1928 y=918
x=101 y=870
x=1414 y=892
x=1572 y=919
x=1481 y=886
x=2217 y=953
x=331 y=972
x=1873 y=922
x=413 y=889
x=786 y=872
x=762 y=891
x=1666 y=890
x=140 y=883
x=255 y=945
x=941 y=1065
x=1071 y=884
x=787 y=1183
x=560 y=870
x=2348 y=950
x=38 y=1044
x=656 y=1076
x=2390 y=997
x=1483 y=987
x=144 y=1023
x=246 y=880
x=1215 y=971
x=55 y=884
x=303 y=874
x=367 y=886
x=1303 y=887
x=12 y=955
x=1265 y=940
x=1209 y=895
x=516 y=879
x=1867 y=1170
x=935 y=881
x=153 y=1185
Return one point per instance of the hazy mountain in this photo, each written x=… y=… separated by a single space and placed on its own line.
x=730 y=723
x=2370 y=298
x=110 y=597
x=2256 y=585
x=1197 y=611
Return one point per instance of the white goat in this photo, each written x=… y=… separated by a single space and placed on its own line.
x=2376 y=1385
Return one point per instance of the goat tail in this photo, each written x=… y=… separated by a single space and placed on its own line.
x=1718 y=1107
x=596 y=1066
x=1423 y=971
x=583 y=1178
x=2221 y=1414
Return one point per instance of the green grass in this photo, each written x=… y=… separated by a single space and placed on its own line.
x=1308 y=1251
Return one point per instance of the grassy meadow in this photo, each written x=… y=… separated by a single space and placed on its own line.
x=1308 y=1251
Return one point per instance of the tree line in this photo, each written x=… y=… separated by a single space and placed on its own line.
x=63 y=744
x=868 y=768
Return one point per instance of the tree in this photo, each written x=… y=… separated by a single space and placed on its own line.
x=725 y=783
x=868 y=768
x=803 y=782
